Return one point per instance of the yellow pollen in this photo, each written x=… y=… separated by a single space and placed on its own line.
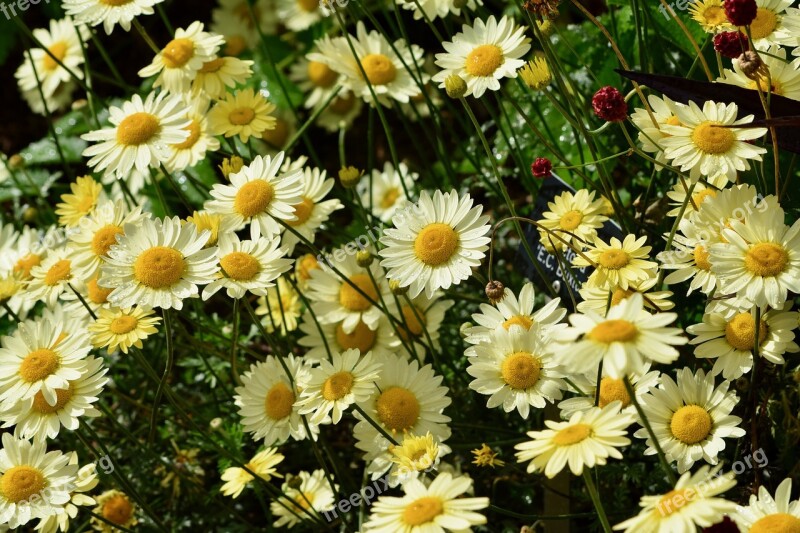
x=614 y=259
x=612 y=390
x=701 y=256
x=59 y=50
x=613 y=331
x=390 y=197
x=436 y=244
x=115 y=3
x=59 y=272
x=766 y=259
x=241 y=116
x=674 y=500
x=302 y=211
x=412 y=322
x=764 y=24
x=97 y=294
x=620 y=294
x=118 y=509
x=123 y=324
x=379 y=69
x=690 y=424
x=337 y=386
x=321 y=75
x=253 y=198
x=104 y=239
x=397 y=408
x=761 y=83
x=278 y=135
x=38 y=365
x=521 y=370
x=240 y=266
x=362 y=338
x=518 y=320
x=776 y=523
x=572 y=435
x=137 y=129
x=699 y=197
x=212 y=66
x=25 y=264
x=740 y=332
x=484 y=60
x=422 y=511
x=194 y=134
x=63 y=397
x=159 y=267
x=278 y=402
x=309 y=6
x=178 y=52
x=342 y=105
x=235 y=45
x=21 y=482
x=353 y=300
x=712 y=139
x=570 y=220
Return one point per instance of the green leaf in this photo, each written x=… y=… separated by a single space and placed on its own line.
x=44 y=152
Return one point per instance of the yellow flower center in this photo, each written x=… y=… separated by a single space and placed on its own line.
x=57 y=273
x=674 y=501
x=302 y=211
x=740 y=332
x=278 y=402
x=342 y=105
x=194 y=134
x=701 y=256
x=277 y=136
x=614 y=331
x=612 y=390
x=699 y=197
x=776 y=523
x=21 y=482
x=235 y=45
x=521 y=370
x=306 y=264
x=570 y=220
x=212 y=66
x=321 y=75
x=241 y=116
x=673 y=120
x=97 y=294
x=63 y=397
x=309 y=6
x=104 y=239
x=240 y=266
x=118 y=509
x=123 y=324
x=613 y=259
x=572 y=435
x=422 y=511
x=715 y=16
x=116 y=3
x=25 y=264
x=253 y=198
x=379 y=69
x=351 y=299
x=518 y=320
x=397 y=408
x=713 y=139
x=484 y=60
x=362 y=338
x=159 y=267
x=691 y=424
x=436 y=244
x=38 y=365
x=415 y=326
x=764 y=24
x=337 y=386
x=178 y=52
x=761 y=83
x=766 y=259
x=137 y=129
x=620 y=294
x=389 y=197
x=59 y=50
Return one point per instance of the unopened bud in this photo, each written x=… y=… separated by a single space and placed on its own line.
x=455 y=86
x=231 y=166
x=396 y=289
x=752 y=66
x=30 y=214
x=462 y=331
x=16 y=161
x=364 y=258
x=495 y=291
x=350 y=176
x=79 y=104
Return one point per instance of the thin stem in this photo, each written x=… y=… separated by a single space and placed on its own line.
x=598 y=504
x=165 y=376
x=646 y=423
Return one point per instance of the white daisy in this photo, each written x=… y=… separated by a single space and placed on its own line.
x=85 y=481
x=311 y=212
x=611 y=389
x=784 y=78
x=263 y=464
x=380 y=341
x=700 y=193
x=200 y=141
x=596 y=300
x=384 y=194
x=650 y=134
x=766 y=514
x=304 y=494
x=314 y=76
x=299 y=15
x=218 y=75
x=281 y=307
x=618 y=263
x=108 y=12
x=689 y=258
x=774 y=23
x=431 y=9
x=53 y=277
x=574 y=217
x=421 y=318
x=232 y=19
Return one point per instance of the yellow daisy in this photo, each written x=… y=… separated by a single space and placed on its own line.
x=116 y=507
x=123 y=328
x=245 y=113
x=220 y=73
x=617 y=264
x=710 y=14
x=86 y=194
x=263 y=464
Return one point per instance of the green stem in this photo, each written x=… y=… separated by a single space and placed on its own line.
x=598 y=504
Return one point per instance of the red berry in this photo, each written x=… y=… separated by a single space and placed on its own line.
x=730 y=44
x=542 y=167
x=741 y=12
x=609 y=104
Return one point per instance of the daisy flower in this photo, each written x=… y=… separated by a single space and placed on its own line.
x=436 y=508
x=232 y=19
x=259 y=194
x=517 y=370
x=303 y=267
x=334 y=386
x=690 y=419
x=384 y=193
x=60 y=100
x=765 y=513
x=34 y=482
x=430 y=9
x=730 y=339
x=700 y=145
x=304 y=494
x=435 y=242
x=262 y=464
x=52 y=277
x=95 y=296
x=40 y=357
x=700 y=193
x=785 y=79
x=414 y=455
x=689 y=505
x=773 y=24
x=710 y=14
x=245 y=113
x=314 y=75
x=247 y=266
x=299 y=15
x=574 y=217
x=320 y=337
x=597 y=299
x=219 y=74
x=587 y=439
x=650 y=134
x=109 y=13
x=85 y=195
x=406 y=399
x=266 y=400
x=421 y=318
x=483 y=54
x=119 y=329
x=617 y=264
x=158 y=264
x=275 y=139
x=37 y=418
x=622 y=340
x=281 y=307
x=311 y=212
x=215 y=223
x=611 y=389
x=341 y=112
x=193 y=150
x=142 y=130
x=85 y=481
x=116 y=507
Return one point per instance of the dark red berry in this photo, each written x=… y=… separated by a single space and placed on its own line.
x=542 y=167
x=609 y=104
x=741 y=12
x=730 y=44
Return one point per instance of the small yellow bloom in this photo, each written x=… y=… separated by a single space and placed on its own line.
x=84 y=198
x=485 y=456
x=536 y=74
